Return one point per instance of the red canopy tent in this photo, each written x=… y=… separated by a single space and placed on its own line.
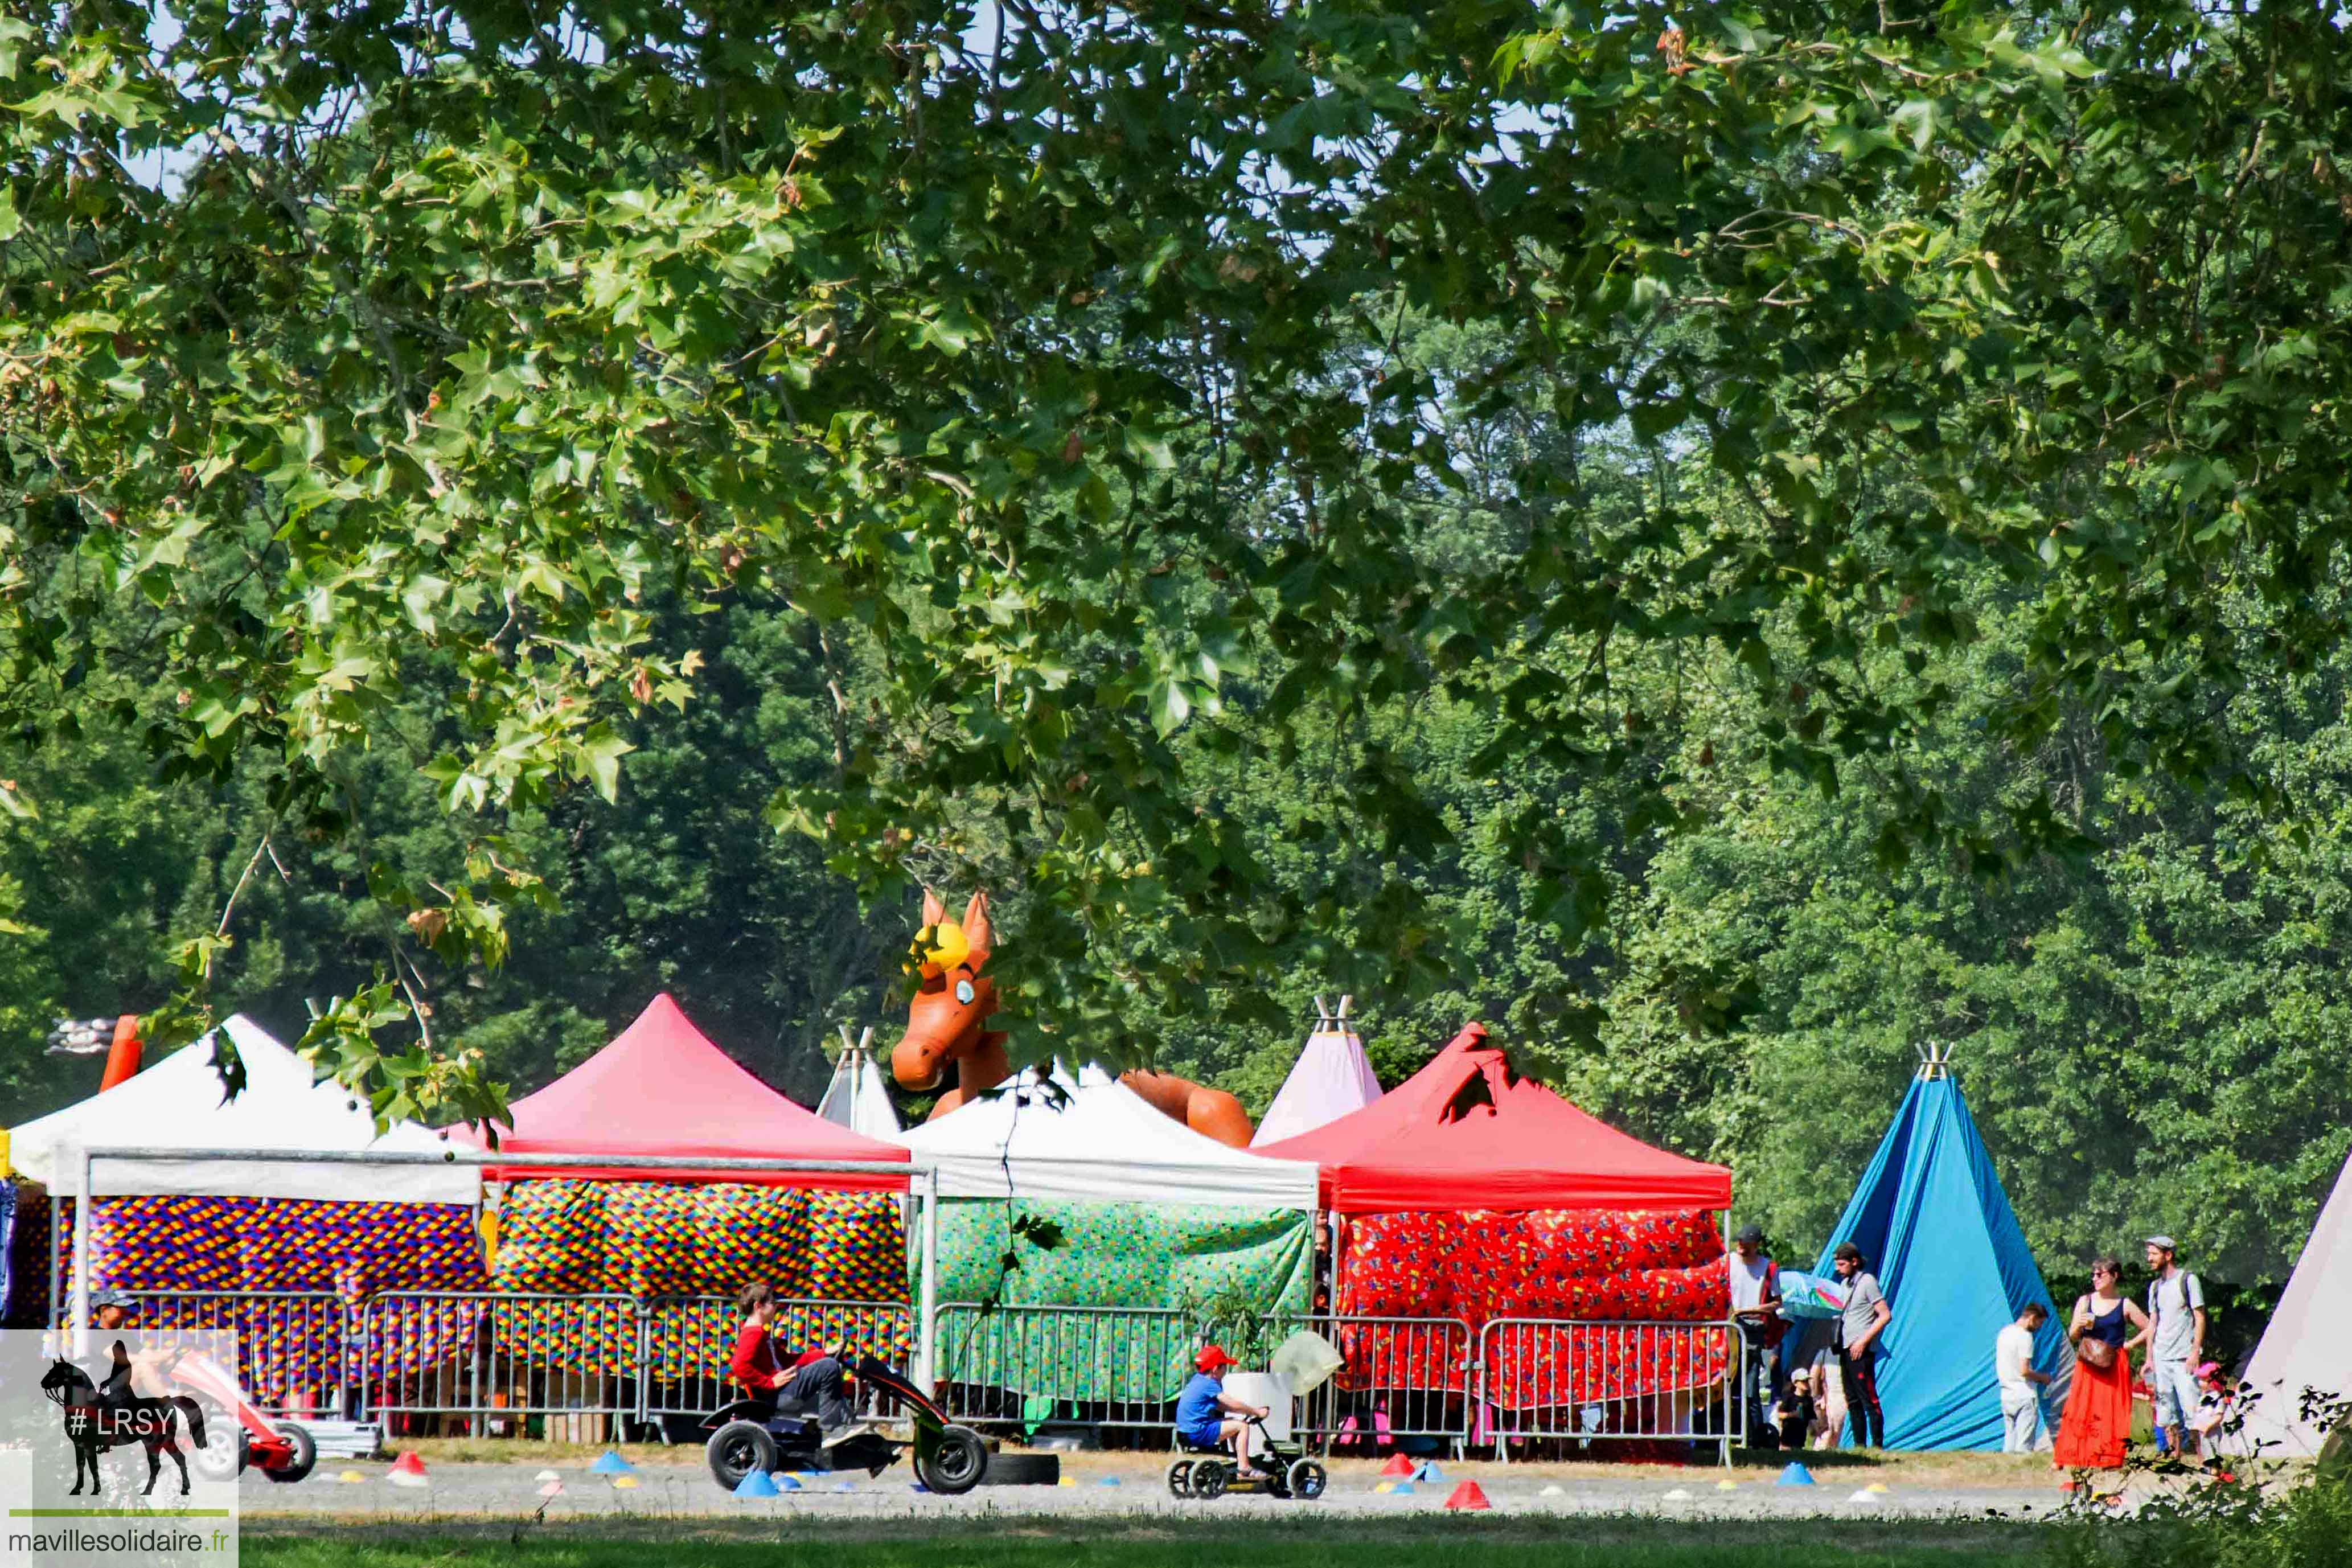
x=1481 y=1197
x=829 y=1242
x=663 y=1090
x=1466 y=1133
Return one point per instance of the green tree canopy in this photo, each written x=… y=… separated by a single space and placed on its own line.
x=393 y=379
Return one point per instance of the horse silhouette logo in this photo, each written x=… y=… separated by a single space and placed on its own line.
x=112 y=1415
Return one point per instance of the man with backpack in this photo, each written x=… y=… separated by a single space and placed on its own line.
x=1755 y=1306
x=2175 y=1341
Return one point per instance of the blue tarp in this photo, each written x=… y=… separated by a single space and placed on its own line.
x=1931 y=1218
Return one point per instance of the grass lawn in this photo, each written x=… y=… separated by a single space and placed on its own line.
x=1333 y=1543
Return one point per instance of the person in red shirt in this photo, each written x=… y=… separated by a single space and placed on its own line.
x=812 y=1379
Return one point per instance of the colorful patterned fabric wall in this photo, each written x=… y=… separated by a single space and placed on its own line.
x=1587 y=1265
x=298 y=1270
x=653 y=1239
x=1132 y=1282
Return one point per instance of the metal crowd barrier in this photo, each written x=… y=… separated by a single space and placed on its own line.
x=1583 y=1382
x=1398 y=1377
x=1116 y=1367
x=291 y=1345
x=580 y=1365
x=499 y=1359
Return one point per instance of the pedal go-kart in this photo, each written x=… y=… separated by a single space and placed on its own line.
x=1203 y=1473
x=747 y=1435
x=282 y=1451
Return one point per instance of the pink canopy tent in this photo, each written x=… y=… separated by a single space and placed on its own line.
x=1331 y=1078
x=663 y=1090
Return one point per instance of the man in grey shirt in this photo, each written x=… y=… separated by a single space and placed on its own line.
x=1859 y=1326
x=2176 y=1340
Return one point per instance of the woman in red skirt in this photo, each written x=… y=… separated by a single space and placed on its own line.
x=2099 y=1419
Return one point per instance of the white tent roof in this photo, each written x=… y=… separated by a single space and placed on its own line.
x=1331 y=1078
x=1097 y=1139
x=2304 y=1346
x=856 y=1100
x=177 y=1104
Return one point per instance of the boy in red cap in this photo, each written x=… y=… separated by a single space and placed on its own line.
x=1206 y=1416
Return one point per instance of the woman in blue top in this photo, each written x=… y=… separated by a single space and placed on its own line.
x=2097 y=1422
x=1206 y=1416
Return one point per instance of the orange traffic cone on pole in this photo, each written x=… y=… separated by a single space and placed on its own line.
x=1468 y=1498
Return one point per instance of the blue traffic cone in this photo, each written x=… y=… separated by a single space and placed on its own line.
x=1796 y=1475
x=787 y=1484
x=1429 y=1472
x=755 y=1484
x=612 y=1464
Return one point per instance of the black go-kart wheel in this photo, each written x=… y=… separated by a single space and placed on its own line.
x=737 y=1449
x=1180 y=1478
x=305 y=1457
x=1210 y=1480
x=1305 y=1479
x=956 y=1462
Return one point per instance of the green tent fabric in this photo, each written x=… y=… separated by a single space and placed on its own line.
x=1096 y=1302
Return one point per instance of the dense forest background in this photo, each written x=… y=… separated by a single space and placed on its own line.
x=2151 y=1031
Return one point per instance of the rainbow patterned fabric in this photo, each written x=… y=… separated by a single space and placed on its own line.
x=690 y=1248
x=1628 y=1267
x=298 y=1269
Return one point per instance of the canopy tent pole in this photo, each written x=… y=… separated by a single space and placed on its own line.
x=1739 y=1344
x=78 y=1309
x=927 y=1289
x=56 y=1261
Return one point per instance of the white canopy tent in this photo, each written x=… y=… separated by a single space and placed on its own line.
x=2304 y=1346
x=1094 y=1138
x=177 y=1104
x=857 y=1097
x=1331 y=1078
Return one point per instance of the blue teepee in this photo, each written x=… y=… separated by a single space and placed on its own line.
x=1931 y=1219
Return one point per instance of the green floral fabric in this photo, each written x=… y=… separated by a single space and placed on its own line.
x=1097 y=1303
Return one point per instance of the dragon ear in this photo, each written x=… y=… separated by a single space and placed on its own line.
x=934 y=912
x=976 y=929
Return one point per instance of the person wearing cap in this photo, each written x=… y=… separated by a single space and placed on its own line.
x=2176 y=1341
x=1866 y=1317
x=1755 y=1306
x=1206 y=1416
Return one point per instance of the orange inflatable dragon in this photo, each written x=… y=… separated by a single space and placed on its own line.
x=947 y=1023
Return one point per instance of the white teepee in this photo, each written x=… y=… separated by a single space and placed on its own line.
x=1331 y=1078
x=2304 y=1346
x=856 y=1099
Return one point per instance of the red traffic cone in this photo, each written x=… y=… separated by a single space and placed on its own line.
x=1469 y=1498
x=407 y=1470
x=1399 y=1464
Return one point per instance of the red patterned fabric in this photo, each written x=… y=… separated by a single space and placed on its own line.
x=1590 y=1265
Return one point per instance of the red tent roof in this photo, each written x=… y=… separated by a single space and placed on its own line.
x=664 y=1089
x=1466 y=1133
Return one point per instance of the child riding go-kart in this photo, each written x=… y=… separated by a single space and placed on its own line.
x=245 y=1435
x=1207 y=1417
x=769 y=1435
x=795 y=1415
x=1283 y=1471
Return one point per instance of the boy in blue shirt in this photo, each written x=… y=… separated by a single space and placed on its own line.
x=1206 y=1416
